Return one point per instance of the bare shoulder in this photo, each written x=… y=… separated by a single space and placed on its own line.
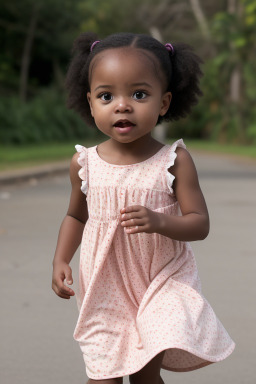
x=74 y=160
x=74 y=169
x=184 y=166
x=78 y=203
x=183 y=159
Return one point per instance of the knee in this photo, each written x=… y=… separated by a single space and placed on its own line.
x=134 y=380
x=116 y=380
x=141 y=380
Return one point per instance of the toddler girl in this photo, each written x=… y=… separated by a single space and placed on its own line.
x=135 y=204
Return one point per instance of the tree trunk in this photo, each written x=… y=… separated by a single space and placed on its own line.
x=235 y=78
x=200 y=17
x=26 y=56
x=160 y=131
x=232 y=6
x=235 y=87
x=58 y=75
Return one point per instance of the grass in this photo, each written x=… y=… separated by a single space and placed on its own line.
x=231 y=149
x=14 y=157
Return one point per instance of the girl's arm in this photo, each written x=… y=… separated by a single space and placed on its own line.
x=194 y=222
x=70 y=234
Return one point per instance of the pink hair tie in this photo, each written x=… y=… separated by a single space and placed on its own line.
x=93 y=44
x=169 y=47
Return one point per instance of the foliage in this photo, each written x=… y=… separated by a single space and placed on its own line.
x=57 y=24
x=218 y=116
x=43 y=119
x=234 y=38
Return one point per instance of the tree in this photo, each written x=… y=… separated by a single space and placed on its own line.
x=234 y=31
x=37 y=36
x=26 y=56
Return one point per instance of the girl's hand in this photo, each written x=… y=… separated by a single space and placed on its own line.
x=62 y=271
x=137 y=218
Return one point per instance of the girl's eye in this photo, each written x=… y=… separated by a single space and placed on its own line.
x=105 y=96
x=139 y=95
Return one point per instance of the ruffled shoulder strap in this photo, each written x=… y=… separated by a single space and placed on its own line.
x=83 y=162
x=170 y=162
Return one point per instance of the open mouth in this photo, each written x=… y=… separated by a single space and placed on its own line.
x=123 y=124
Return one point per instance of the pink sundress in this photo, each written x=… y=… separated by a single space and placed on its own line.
x=139 y=294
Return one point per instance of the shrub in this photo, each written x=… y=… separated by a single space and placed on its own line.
x=43 y=119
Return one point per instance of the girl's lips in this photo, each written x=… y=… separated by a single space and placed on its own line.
x=123 y=126
x=124 y=129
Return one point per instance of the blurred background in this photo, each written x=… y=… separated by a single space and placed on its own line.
x=37 y=137
x=36 y=38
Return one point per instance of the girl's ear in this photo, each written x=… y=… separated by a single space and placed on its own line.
x=166 y=101
x=90 y=103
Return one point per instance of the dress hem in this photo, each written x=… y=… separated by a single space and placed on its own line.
x=209 y=360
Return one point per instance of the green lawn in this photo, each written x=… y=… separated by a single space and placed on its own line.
x=239 y=150
x=13 y=157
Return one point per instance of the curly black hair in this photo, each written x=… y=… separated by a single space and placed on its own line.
x=181 y=69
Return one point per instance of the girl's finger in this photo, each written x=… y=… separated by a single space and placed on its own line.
x=62 y=288
x=131 y=208
x=66 y=291
x=135 y=229
x=60 y=293
x=132 y=222
x=68 y=275
x=64 y=296
x=130 y=216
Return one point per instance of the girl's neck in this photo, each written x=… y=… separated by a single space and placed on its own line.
x=136 y=151
x=143 y=145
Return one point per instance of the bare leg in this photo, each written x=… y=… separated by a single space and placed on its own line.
x=150 y=374
x=116 y=380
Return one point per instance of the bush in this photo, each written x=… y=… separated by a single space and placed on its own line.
x=43 y=119
x=216 y=117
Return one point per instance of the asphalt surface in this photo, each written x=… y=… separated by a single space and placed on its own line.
x=36 y=326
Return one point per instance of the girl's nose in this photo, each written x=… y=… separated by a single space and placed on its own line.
x=123 y=105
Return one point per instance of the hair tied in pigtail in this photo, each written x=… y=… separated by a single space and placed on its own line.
x=170 y=48
x=93 y=44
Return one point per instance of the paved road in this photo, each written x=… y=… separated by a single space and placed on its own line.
x=36 y=327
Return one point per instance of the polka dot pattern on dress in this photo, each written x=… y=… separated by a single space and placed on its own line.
x=139 y=294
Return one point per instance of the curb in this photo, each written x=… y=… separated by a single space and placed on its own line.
x=61 y=167
x=26 y=174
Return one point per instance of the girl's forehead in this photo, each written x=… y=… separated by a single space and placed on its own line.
x=126 y=59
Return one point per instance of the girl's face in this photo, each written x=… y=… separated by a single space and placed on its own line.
x=126 y=93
